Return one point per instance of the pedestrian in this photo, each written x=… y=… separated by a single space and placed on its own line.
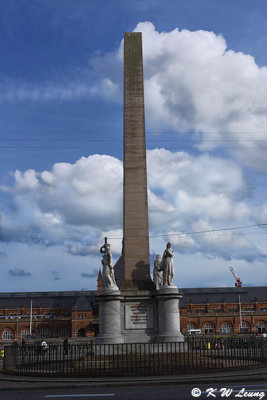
x=44 y=347
x=23 y=344
x=66 y=345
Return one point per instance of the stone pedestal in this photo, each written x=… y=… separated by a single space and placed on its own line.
x=168 y=315
x=139 y=316
x=109 y=317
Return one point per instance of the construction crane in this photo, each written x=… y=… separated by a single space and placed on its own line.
x=238 y=282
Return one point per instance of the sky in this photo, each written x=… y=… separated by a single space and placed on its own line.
x=61 y=138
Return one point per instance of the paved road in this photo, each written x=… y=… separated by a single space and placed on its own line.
x=166 y=392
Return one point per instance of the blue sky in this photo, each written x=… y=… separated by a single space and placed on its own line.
x=61 y=111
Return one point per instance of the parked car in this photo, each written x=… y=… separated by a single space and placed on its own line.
x=194 y=332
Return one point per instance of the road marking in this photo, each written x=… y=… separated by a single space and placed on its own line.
x=54 y=396
x=258 y=385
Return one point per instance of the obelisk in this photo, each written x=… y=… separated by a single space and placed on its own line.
x=135 y=206
x=136 y=312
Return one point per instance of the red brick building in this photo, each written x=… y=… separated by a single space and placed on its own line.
x=54 y=314
x=217 y=310
x=75 y=313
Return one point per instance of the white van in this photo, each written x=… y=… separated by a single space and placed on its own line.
x=194 y=332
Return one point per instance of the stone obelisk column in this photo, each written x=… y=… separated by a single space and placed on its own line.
x=135 y=215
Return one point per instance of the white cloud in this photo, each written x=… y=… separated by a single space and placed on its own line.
x=200 y=85
x=197 y=174
x=183 y=242
x=77 y=205
x=227 y=245
x=194 y=83
x=71 y=204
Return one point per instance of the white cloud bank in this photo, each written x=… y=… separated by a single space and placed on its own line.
x=194 y=83
x=70 y=204
x=77 y=205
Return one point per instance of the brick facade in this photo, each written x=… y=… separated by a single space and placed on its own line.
x=54 y=315
x=217 y=310
x=75 y=314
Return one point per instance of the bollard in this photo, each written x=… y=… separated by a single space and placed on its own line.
x=10 y=358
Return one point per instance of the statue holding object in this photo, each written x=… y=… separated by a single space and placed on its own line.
x=108 y=269
x=168 y=265
x=163 y=272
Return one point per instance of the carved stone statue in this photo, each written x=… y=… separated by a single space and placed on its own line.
x=108 y=270
x=158 y=272
x=168 y=265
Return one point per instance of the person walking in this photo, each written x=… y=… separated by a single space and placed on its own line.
x=23 y=345
x=44 y=347
x=66 y=346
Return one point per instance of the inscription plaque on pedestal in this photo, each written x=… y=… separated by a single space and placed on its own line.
x=138 y=316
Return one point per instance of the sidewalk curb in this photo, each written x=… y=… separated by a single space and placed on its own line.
x=240 y=376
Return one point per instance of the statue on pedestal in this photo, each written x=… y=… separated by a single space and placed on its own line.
x=167 y=265
x=108 y=270
x=158 y=272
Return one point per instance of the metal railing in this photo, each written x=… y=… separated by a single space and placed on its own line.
x=135 y=358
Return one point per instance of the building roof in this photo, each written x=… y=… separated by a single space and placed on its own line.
x=86 y=299
x=229 y=294
x=66 y=299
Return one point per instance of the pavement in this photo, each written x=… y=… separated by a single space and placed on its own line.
x=18 y=382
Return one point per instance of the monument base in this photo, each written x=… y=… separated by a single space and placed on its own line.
x=109 y=339
x=168 y=315
x=109 y=316
x=139 y=316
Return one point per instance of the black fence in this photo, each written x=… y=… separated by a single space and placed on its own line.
x=194 y=355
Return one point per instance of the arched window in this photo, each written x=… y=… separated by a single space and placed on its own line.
x=25 y=333
x=226 y=328
x=191 y=326
x=8 y=334
x=63 y=331
x=81 y=332
x=209 y=328
x=261 y=327
x=44 y=332
x=245 y=327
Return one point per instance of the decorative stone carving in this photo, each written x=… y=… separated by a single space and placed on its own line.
x=168 y=266
x=158 y=272
x=108 y=270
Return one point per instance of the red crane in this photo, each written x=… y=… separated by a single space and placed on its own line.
x=238 y=282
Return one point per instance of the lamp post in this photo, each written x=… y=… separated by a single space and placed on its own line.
x=31 y=321
x=240 y=314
